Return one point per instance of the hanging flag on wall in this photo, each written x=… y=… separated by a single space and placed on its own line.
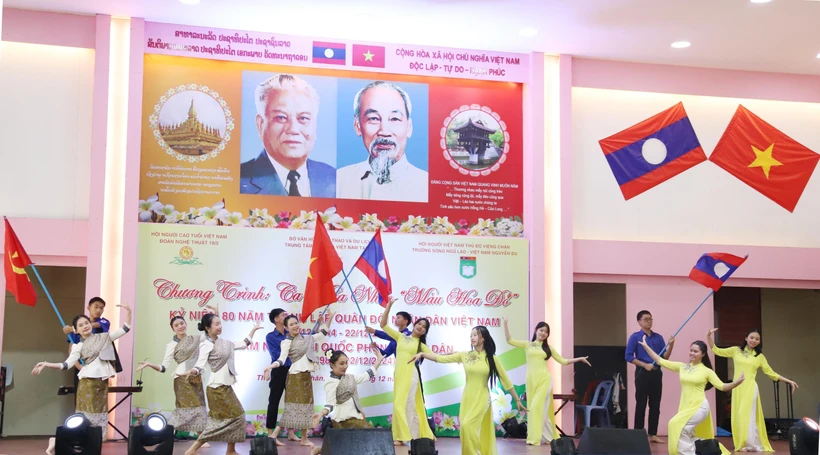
x=713 y=269
x=652 y=151
x=370 y=56
x=15 y=261
x=765 y=158
x=329 y=53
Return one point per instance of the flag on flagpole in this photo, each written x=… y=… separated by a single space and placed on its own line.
x=15 y=261
x=373 y=264
x=713 y=269
x=325 y=264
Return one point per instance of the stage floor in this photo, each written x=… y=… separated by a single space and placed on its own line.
x=445 y=446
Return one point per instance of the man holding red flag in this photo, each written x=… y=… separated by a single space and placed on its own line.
x=325 y=264
x=15 y=261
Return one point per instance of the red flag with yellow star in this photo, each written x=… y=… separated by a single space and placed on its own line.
x=765 y=158
x=15 y=261
x=325 y=264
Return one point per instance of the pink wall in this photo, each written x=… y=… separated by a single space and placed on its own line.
x=53 y=29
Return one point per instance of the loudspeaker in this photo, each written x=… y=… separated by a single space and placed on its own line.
x=707 y=447
x=563 y=446
x=357 y=441
x=423 y=446
x=263 y=446
x=613 y=441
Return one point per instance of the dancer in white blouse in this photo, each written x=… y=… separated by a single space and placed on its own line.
x=97 y=353
x=342 y=396
x=226 y=417
x=299 y=387
x=190 y=414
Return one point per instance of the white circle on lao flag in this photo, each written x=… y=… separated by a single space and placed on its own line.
x=382 y=270
x=653 y=151
x=721 y=269
x=329 y=53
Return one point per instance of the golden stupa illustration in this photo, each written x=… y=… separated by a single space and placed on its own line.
x=191 y=137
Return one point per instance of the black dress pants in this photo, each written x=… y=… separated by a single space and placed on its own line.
x=278 y=378
x=648 y=387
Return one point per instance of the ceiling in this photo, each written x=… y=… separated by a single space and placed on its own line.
x=780 y=36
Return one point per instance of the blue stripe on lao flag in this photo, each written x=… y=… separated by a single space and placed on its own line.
x=628 y=163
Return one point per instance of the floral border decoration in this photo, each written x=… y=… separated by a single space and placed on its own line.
x=153 y=120
x=501 y=123
x=151 y=210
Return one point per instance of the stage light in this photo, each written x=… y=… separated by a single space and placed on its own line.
x=154 y=431
x=803 y=437
x=681 y=44
x=78 y=437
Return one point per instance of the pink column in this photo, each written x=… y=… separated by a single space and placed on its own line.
x=99 y=129
x=670 y=300
x=534 y=196
x=132 y=176
x=566 y=283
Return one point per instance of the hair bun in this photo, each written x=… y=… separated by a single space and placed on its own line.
x=200 y=327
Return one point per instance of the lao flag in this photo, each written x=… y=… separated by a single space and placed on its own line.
x=713 y=269
x=374 y=265
x=329 y=53
x=653 y=151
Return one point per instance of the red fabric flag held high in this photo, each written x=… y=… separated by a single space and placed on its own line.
x=15 y=261
x=764 y=158
x=325 y=264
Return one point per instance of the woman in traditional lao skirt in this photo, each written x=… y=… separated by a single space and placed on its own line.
x=409 y=414
x=541 y=415
x=190 y=414
x=299 y=386
x=97 y=353
x=694 y=418
x=226 y=417
x=341 y=395
x=748 y=427
x=481 y=367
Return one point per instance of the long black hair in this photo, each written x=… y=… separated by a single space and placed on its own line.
x=545 y=345
x=707 y=362
x=423 y=338
x=489 y=349
x=759 y=348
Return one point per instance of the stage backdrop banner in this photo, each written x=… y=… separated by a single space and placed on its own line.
x=234 y=143
x=455 y=282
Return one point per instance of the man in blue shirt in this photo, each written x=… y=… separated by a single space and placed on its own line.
x=403 y=319
x=278 y=376
x=648 y=376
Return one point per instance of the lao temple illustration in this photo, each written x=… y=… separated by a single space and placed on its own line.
x=191 y=137
x=474 y=137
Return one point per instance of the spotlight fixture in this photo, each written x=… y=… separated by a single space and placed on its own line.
x=78 y=437
x=681 y=44
x=803 y=437
x=155 y=432
x=760 y=1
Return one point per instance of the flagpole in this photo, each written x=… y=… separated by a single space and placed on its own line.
x=316 y=326
x=353 y=295
x=686 y=321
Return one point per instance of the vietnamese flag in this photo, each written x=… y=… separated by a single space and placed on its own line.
x=15 y=261
x=765 y=158
x=370 y=56
x=325 y=264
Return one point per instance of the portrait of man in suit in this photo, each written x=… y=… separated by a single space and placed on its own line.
x=286 y=116
x=382 y=118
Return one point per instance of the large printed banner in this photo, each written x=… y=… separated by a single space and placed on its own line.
x=455 y=282
x=241 y=144
x=258 y=47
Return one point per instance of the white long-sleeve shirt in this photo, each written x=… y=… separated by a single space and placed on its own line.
x=98 y=369
x=169 y=361
x=346 y=410
x=223 y=376
x=303 y=364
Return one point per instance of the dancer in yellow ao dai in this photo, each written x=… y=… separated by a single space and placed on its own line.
x=541 y=415
x=694 y=418
x=481 y=367
x=409 y=414
x=748 y=427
